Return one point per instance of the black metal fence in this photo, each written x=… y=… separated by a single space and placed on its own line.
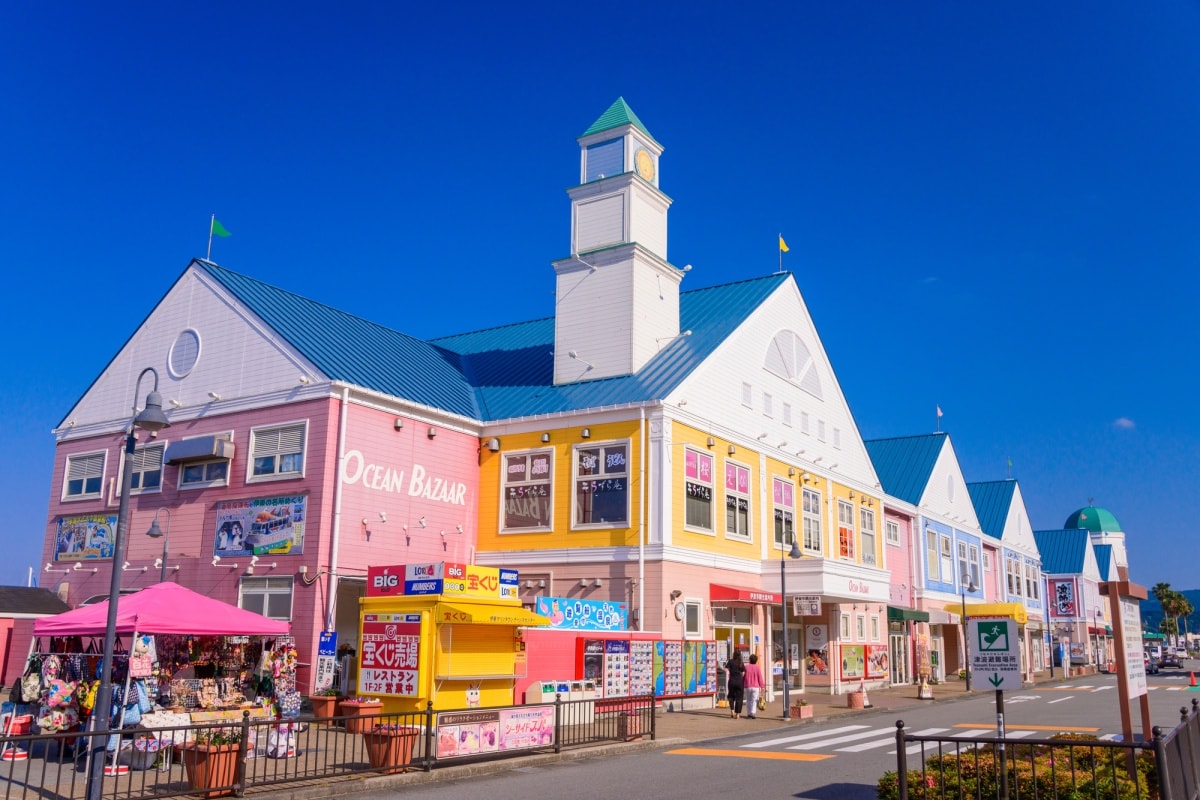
x=222 y=759
x=1071 y=767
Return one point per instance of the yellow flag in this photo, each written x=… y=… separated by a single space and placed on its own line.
x=783 y=248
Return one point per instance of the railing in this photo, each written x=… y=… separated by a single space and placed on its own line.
x=168 y=762
x=1065 y=766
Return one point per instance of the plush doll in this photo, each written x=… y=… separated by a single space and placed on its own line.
x=141 y=658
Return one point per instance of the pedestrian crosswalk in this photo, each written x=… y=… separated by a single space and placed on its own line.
x=861 y=738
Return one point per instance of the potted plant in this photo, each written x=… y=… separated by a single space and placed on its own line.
x=801 y=709
x=390 y=747
x=212 y=760
x=359 y=712
x=324 y=702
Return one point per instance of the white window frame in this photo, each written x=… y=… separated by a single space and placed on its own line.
x=86 y=464
x=787 y=414
x=963 y=569
x=866 y=534
x=845 y=627
x=266 y=587
x=847 y=535
x=139 y=467
x=531 y=484
x=181 y=481
x=860 y=627
x=837 y=438
x=874 y=628
x=693 y=618
x=783 y=516
x=987 y=560
x=768 y=405
x=810 y=511
x=973 y=565
x=279 y=453
x=736 y=495
x=821 y=430
x=891 y=531
x=804 y=422
x=747 y=395
x=932 y=555
x=606 y=473
x=699 y=492
x=947 y=559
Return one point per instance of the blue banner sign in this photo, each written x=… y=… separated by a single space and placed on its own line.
x=583 y=615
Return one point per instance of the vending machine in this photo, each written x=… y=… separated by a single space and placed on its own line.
x=607 y=662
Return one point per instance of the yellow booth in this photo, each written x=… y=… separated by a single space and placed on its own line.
x=446 y=633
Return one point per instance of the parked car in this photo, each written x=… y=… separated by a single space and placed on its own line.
x=1170 y=660
x=1151 y=664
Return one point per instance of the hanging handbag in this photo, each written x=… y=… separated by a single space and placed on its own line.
x=31 y=687
x=762 y=703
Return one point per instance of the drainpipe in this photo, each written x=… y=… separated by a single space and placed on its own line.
x=335 y=536
x=642 y=519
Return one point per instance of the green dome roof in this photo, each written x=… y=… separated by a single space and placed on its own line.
x=1093 y=519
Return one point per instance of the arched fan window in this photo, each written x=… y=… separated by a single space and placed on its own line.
x=789 y=358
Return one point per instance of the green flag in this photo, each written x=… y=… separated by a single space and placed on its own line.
x=218 y=229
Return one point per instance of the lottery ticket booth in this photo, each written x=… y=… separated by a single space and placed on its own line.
x=446 y=633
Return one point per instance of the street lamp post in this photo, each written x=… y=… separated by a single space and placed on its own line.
x=966 y=585
x=151 y=418
x=156 y=532
x=1096 y=647
x=787 y=650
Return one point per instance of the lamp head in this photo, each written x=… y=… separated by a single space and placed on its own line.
x=152 y=417
x=795 y=551
x=155 y=531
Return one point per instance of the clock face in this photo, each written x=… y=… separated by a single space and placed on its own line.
x=644 y=163
x=679 y=611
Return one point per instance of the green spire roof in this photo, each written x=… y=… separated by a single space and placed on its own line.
x=618 y=114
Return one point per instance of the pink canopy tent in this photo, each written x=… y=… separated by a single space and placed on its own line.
x=162 y=608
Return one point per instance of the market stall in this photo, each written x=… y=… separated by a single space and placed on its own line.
x=184 y=658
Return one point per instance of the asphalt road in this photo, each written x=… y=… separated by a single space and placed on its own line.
x=836 y=760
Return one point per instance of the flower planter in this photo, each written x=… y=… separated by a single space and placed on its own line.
x=324 y=706
x=211 y=765
x=802 y=712
x=360 y=717
x=856 y=700
x=392 y=749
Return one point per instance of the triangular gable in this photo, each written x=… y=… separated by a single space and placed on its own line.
x=1105 y=564
x=1002 y=514
x=776 y=351
x=195 y=314
x=617 y=115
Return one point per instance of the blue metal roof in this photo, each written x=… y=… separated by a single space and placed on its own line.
x=1063 y=552
x=992 y=501
x=512 y=368
x=904 y=464
x=493 y=374
x=351 y=349
x=1103 y=559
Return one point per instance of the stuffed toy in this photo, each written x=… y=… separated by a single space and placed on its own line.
x=141 y=659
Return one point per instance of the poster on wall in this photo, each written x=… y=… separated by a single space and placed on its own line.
x=261 y=526
x=853 y=661
x=85 y=537
x=877 y=661
x=1063 y=598
x=584 y=615
x=390 y=654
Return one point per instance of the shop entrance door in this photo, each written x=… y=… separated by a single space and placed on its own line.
x=898 y=655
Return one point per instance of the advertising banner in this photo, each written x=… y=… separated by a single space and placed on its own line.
x=261 y=526
x=583 y=615
x=470 y=733
x=1062 y=598
x=484 y=583
x=85 y=537
x=385 y=581
x=853 y=661
x=877 y=661
x=390 y=654
x=326 y=659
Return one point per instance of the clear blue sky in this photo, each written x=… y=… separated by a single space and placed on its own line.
x=991 y=207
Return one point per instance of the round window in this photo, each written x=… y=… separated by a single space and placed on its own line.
x=185 y=352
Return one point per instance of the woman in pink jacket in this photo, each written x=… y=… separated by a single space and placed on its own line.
x=754 y=685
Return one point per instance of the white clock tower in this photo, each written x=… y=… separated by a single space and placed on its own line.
x=617 y=297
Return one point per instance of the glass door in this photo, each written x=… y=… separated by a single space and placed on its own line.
x=898 y=658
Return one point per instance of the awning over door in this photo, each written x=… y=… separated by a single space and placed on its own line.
x=1016 y=611
x=896 y=614
x=484 y=614
x=722 y=593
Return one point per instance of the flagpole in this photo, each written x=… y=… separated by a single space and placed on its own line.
x=208 y=255
x=781 y=252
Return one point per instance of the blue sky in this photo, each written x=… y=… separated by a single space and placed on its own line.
x=991 y=208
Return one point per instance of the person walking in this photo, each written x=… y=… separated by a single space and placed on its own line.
x=754 y=684
x=735 y=672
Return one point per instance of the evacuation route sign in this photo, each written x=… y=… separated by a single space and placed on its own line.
x=995 y=653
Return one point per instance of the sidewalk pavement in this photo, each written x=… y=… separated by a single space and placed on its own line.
x=694 y=725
